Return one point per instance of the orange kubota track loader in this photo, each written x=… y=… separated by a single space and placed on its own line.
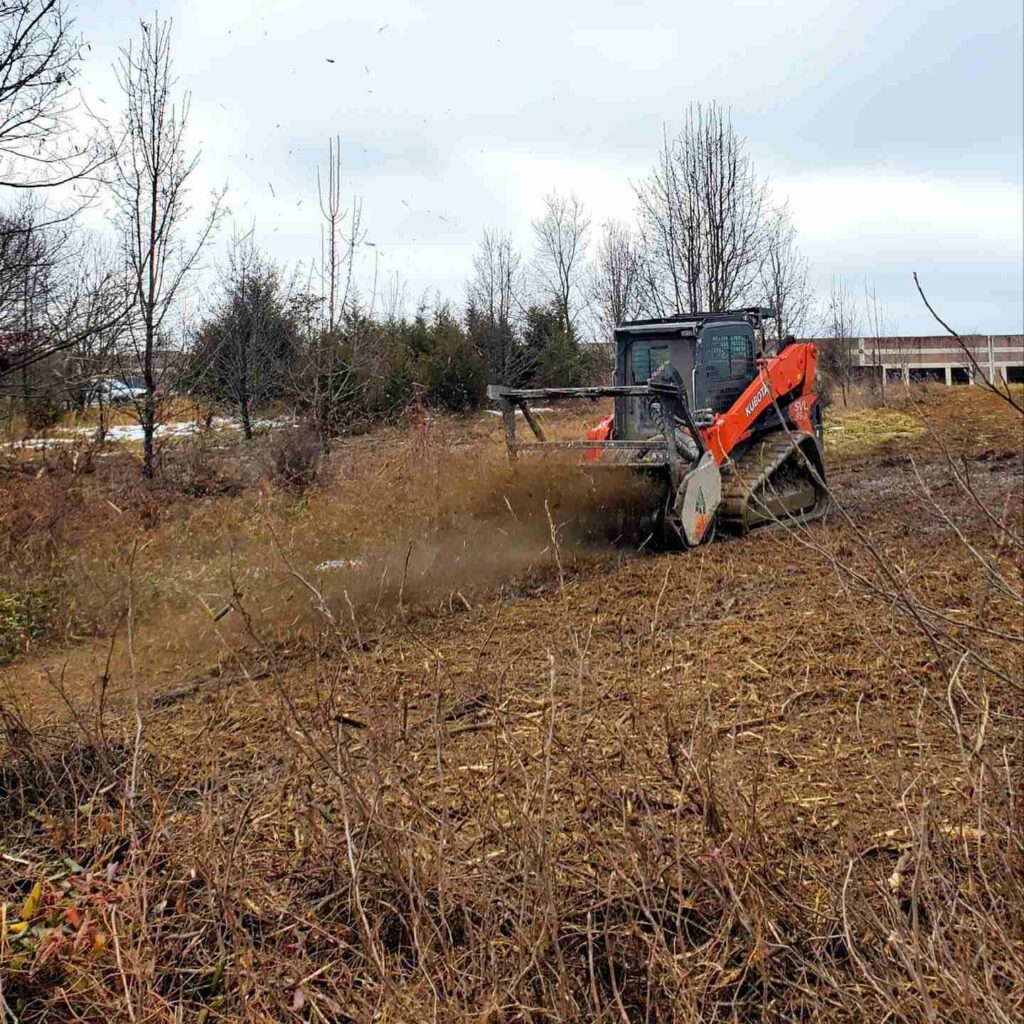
x=732 y=434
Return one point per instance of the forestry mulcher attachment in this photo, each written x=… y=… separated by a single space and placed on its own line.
x=733 y=437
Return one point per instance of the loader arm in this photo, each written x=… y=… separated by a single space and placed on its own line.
x=787 y=379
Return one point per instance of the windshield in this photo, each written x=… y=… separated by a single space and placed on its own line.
x=728 y=354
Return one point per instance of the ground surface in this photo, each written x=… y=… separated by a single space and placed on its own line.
x=448 y=754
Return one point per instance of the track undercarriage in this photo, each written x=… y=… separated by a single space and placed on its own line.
x=776 y=478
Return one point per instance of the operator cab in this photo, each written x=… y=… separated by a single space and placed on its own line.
x=713 y=354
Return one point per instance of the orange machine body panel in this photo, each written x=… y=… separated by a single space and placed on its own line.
x=790 y=371
x=602 y=432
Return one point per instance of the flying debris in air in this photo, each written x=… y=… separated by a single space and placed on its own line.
x=381 y=29
x=271 y=187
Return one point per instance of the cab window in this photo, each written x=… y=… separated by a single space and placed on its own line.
x=646 y=359
x=728 y=355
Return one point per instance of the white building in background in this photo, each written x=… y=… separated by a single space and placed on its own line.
x=939 y=358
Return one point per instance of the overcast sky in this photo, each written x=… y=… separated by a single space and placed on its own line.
x=894 y=129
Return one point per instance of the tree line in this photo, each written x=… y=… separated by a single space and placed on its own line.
x=79 y=306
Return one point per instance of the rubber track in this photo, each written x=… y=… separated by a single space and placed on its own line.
x=742 y=476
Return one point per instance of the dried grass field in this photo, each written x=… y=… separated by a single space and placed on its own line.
x=433 y=741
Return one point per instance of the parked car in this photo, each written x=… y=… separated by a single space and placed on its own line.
x=114 y=392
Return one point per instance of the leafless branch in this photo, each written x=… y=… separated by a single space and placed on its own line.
x=979 y=374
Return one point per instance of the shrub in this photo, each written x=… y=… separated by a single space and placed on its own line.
x=552 y=355
x=563 y=364
x=397 y=391
x=191 y=468
x=295 y=458
x=455 y=376
x=41 y=413
x=29 y=613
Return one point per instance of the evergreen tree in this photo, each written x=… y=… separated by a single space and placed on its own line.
x=246 y=352
x=553 y=357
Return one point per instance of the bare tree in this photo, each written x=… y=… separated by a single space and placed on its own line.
x=841 y=325
x=877 y=330
x=703 y=214
x=30 y=254
x=58 y=296
x=57 y=288
x=30 y=257
x=394 y=298
x=238 y=351
x=617 y=277
x=670 y=234
x=562 y=234
x=783 y=276
x=497 y=285
x=341 y=235
x=40 y=145
x=77 y=318
x=324 y=381
x=495 y=295
x=152 y=170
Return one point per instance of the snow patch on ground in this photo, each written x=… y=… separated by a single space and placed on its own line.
x=519 y=412
x=339 y=563
x=122 y=433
